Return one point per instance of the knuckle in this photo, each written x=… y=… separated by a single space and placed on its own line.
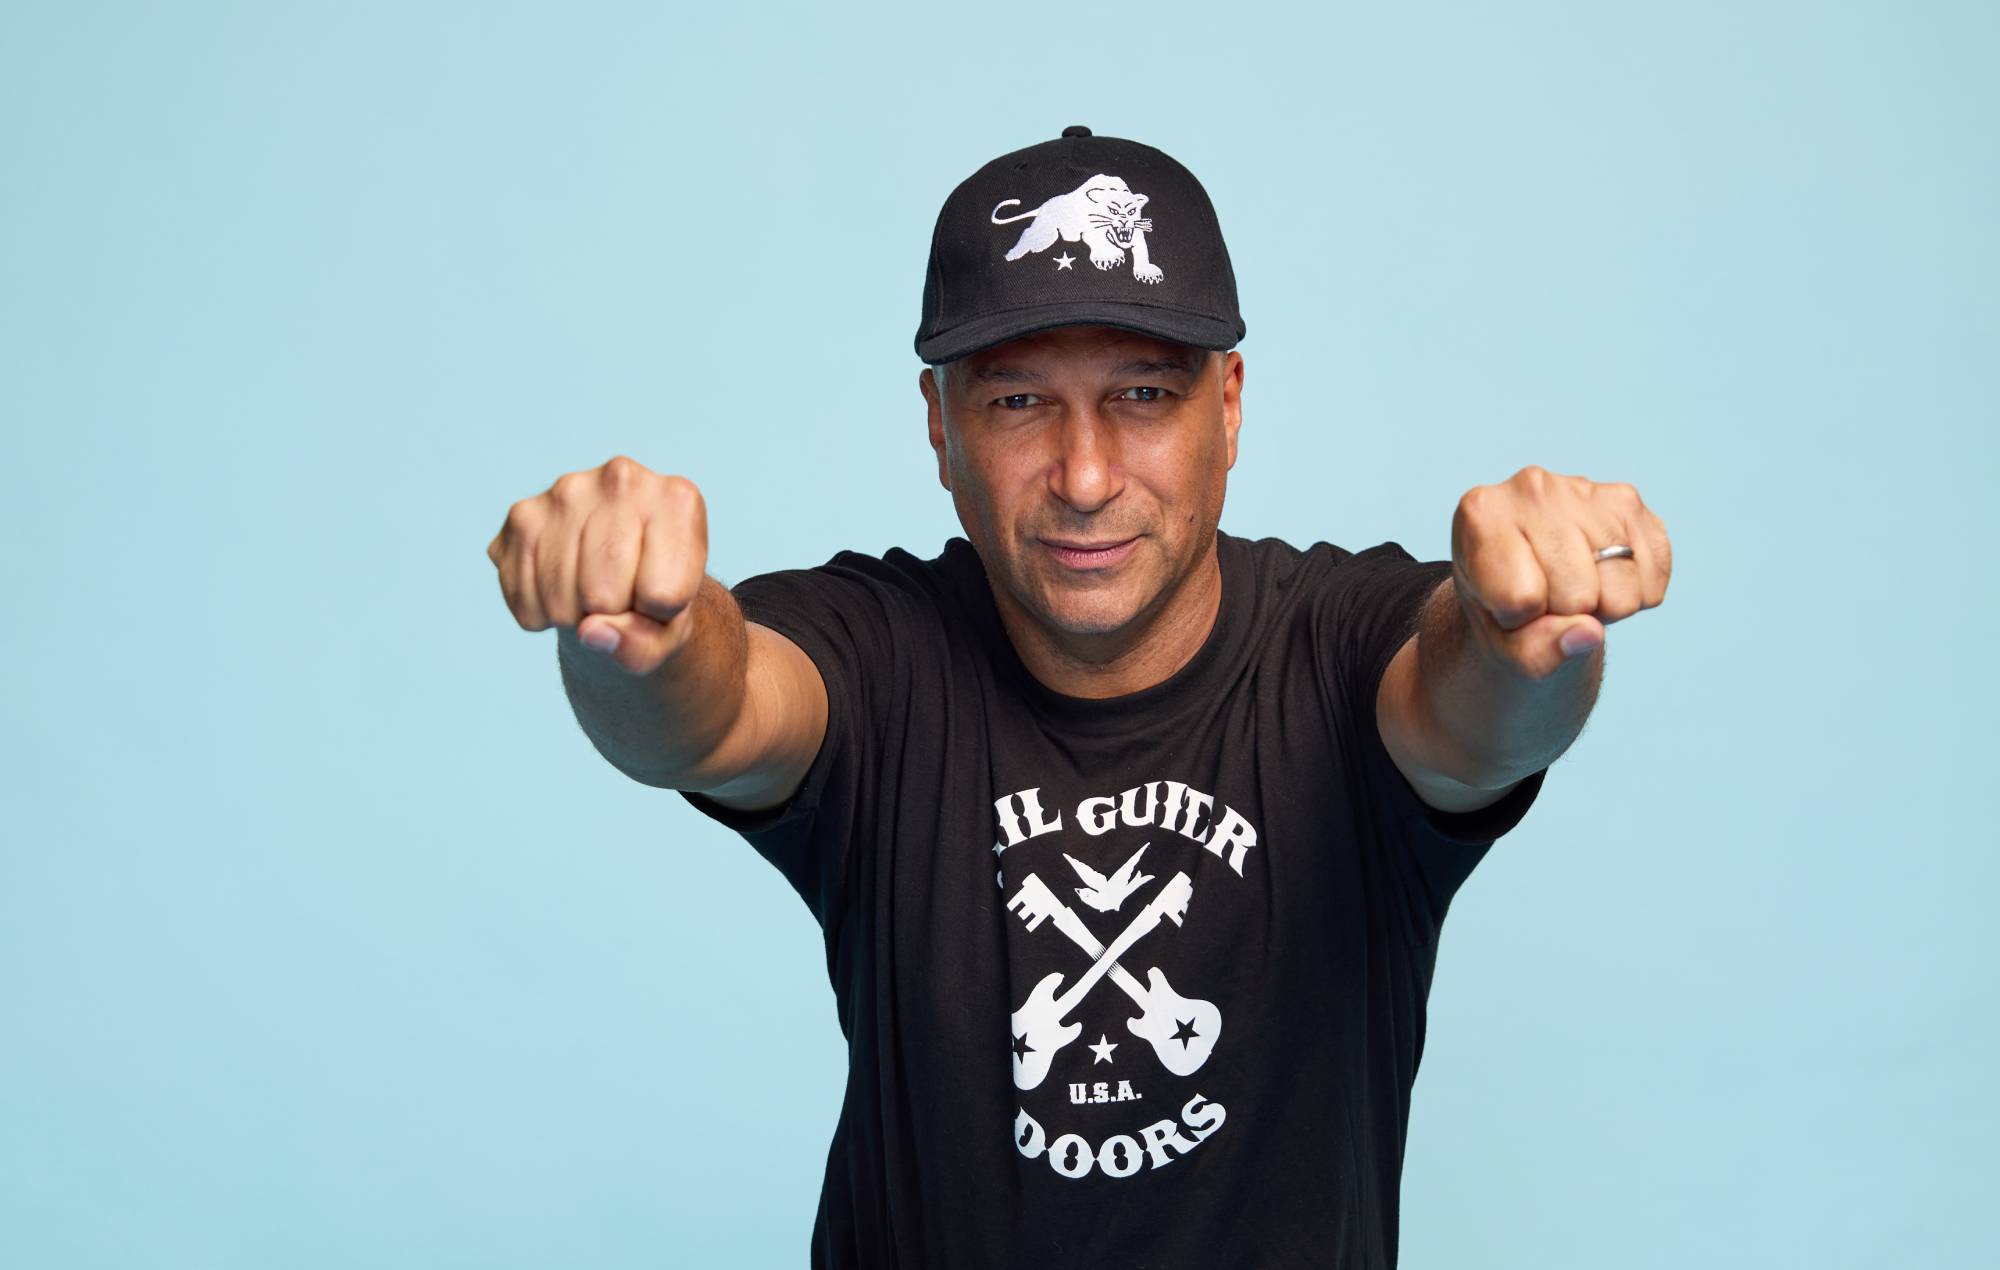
x=601 y=597
x=567 y=489
x=1514 y=598
x=528 y=609
x=1477 y=503
x=1575 y=598
x=683 y=506
x=621 y=474
x=562 y=614
x=657 y=598
x=1533 y=478
x=679 y=491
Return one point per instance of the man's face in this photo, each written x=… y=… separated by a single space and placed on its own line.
x=1088 y=466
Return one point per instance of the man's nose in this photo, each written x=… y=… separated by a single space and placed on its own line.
x=1086 y=474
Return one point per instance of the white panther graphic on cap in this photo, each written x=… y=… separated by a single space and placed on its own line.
x=1102 y=213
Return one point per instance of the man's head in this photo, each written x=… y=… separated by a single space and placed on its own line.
x=1080 y=319
x=1088 y=465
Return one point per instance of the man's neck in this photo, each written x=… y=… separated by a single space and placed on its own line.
x=1145 y=651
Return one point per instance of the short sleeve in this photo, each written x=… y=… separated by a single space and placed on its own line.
x=1370 y=609
x=839 y=614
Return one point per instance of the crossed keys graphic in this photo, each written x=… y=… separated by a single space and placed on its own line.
x=1181 y=1030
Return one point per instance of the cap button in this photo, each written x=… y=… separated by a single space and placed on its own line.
x=1076 y=130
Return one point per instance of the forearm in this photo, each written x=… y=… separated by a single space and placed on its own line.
x=1487 y=724
x=660 y=727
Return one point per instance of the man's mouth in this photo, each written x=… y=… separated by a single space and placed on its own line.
x=1084 y=554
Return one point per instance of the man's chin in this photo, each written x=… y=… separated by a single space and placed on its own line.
x=1081 y=605
x=1088 y=617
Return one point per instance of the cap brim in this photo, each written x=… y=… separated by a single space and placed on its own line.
x=1146 y=319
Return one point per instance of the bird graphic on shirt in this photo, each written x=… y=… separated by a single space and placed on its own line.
x=1105 y=894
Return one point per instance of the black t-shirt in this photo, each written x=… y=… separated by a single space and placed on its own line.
x=1232 y=1084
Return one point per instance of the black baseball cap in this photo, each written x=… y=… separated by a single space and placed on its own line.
x=1082 y=230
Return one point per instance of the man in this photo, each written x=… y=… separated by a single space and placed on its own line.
x=1130 y=839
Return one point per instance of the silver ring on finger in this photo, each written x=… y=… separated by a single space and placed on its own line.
x=1617 y=551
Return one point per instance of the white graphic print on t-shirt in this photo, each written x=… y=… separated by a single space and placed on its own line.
x=1179 y=1030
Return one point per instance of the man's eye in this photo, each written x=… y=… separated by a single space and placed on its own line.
x=1017 y=401
x=1145 y=393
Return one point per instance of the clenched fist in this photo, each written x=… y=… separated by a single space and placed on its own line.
x=1523 y=557
x=617 y=552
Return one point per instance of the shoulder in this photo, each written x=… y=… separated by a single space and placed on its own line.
x=1345 y=610
x=859 y=575
x=1279 y=571
x=876 y=606
x=1281 y=556
x=1276 y=563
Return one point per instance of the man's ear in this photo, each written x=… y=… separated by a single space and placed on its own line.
x=927 y=383
x=1232 y=399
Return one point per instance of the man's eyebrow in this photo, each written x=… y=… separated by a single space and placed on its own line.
x=1004 y=375
x=1178 y=364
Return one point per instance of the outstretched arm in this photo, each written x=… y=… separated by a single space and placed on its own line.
x=737 y=712
x=1509 y=652
x=671 y=685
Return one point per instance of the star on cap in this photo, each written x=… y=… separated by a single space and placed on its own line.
x=1064 y=261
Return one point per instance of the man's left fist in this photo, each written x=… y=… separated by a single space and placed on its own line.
x=1523 y=558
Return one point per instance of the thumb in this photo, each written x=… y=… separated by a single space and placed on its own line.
x=638 y=643
x=1543 y=646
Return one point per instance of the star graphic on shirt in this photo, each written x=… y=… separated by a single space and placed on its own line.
x=1064 y=261
x=1103 y=1049
x=1021 y=1046
x=1186 y=1032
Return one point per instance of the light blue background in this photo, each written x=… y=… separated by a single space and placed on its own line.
x=326 y=939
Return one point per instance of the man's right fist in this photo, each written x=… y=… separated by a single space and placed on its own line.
x=616 y=552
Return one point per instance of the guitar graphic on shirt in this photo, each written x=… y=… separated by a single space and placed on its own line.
x=1181 y=1030
x=1039 y=1030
